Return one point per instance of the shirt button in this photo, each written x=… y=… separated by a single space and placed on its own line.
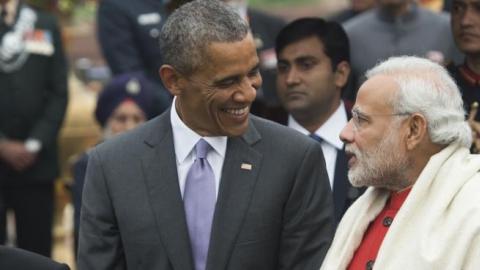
x=387 y=221
x=369 y=265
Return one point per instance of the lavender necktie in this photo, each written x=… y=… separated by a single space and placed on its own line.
x=199 y=202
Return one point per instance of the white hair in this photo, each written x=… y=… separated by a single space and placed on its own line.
x=426 y=87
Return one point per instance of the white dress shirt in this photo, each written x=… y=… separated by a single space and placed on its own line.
x=184 y=141
x=329 y=132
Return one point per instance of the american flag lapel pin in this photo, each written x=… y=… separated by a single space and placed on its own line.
x=246 y=166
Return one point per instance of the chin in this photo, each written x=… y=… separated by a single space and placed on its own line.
x=470 y=50
x=357 y=183
x=236 y=131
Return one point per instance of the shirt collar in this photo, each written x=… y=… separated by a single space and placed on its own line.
x=407 y=17
x=397 y=199
x=330 y=130
x=469 y=75
x=184 y=138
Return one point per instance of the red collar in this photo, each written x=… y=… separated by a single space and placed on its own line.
x=469 y=75
x=397 y=198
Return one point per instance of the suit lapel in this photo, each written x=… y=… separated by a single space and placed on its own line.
x=236 y=188
x=161 y=178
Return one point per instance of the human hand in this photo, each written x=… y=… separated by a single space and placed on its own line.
x=15 y=154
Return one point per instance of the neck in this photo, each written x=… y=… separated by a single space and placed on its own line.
x=473 y=63
x=313 y=120
x=420 y=159
x=397 y=10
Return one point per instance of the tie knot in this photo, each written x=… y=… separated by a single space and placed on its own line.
x=315 y=137
x=202 y=148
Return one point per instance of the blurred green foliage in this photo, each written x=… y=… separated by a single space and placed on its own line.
x=60 y=7
x=69 y=8
x=266 y=3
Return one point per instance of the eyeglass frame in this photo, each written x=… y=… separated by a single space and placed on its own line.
x=358 y=116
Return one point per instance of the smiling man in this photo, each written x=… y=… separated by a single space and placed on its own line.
x=408 y=142
x=206 y=185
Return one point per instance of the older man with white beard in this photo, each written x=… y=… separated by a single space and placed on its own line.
x=408 y=142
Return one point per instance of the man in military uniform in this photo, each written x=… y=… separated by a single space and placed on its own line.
x=465 y=24
x=128 y=33
x=33 y=98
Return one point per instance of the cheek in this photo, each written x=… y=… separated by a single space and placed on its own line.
x=214 y=103
x=116 y=127
x=362 y=143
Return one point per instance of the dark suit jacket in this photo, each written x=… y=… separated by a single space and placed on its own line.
x=19 y=259
x=278 y=215
x=344 y=194
x=33 y=101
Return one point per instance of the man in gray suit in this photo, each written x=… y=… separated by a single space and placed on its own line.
x=206 y=185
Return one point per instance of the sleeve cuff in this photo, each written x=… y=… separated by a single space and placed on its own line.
x=33 y=145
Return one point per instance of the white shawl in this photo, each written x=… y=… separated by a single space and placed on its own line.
x=437 y=227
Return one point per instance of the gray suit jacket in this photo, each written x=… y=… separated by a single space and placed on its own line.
x=278 y=215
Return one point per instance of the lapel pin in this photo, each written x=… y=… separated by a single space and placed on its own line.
x=246 y=166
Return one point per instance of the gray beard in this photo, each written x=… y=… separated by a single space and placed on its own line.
x=383 y=167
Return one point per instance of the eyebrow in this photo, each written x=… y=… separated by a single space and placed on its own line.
x=305 y=57
x=236 y=76
x=361 y=114
x=357 y=111
x=256 y=67
x=298 y=59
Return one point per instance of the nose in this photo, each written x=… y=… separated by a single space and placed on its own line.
x=466 y=17
x=292 y=77
x=248 y=89
x=348 y=132
x=130 y=123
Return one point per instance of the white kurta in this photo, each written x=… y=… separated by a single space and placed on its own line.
x=437 y=227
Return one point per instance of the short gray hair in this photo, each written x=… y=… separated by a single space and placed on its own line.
x=426 y=87
x=192 y=27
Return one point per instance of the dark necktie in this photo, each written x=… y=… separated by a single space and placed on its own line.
x=199 y=202
x=315 y=137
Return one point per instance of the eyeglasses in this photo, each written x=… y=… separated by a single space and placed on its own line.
x=360 y=120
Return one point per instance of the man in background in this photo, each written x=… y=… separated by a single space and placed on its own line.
x=128 y=33
x=313 y=68
x=466 y=31
x=397 y=27
x=33 y=98
x=356 y=7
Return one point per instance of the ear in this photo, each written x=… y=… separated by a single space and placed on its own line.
x=341 y=74
x=417 y=130
x=171 y=79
